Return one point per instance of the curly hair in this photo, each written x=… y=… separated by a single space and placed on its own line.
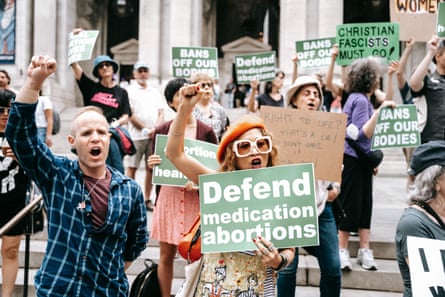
x=424 y=187
x=363 y=75
x=229 y=161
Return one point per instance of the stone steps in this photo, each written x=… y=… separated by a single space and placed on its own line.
x=382 y=282
x=389 y=196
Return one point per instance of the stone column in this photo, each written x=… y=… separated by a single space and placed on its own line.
x=150 y=32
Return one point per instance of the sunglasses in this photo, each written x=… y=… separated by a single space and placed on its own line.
x=4 y=110
x=205 y=85
x=244 y=147
x=140 y=70
x=104 y=64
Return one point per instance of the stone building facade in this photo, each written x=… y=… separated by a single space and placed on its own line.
x=43 y=27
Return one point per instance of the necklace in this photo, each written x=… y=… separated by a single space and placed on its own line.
x=92 y=188
x=84 y=205
x=88 y=180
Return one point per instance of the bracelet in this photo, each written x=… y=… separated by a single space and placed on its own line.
x=283 y=263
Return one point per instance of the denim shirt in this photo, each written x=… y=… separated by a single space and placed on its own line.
x=80 y=260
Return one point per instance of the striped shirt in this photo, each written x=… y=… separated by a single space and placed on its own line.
x=80 y=260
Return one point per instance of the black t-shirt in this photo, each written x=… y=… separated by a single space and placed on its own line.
x=13 y=187
x=113 y=101
x=267 y=100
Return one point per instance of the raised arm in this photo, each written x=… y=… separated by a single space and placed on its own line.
x=330 y=85
x=369 y=126
x=389 y=94
x=416 y=80
x=190 y=167
x=38 y=70
x=77 y=69
x=251 y=104
x=294 y=67
x=401 y=79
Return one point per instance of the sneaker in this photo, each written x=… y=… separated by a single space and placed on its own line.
x=345 y=263
x=366 y=259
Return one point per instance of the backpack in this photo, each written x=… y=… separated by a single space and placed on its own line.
x=146 y=282
x=124 y=140
x=56 y=122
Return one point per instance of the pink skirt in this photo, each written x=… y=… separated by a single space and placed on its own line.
x=174 y=214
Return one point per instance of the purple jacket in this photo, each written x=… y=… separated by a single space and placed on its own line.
x=359 y=110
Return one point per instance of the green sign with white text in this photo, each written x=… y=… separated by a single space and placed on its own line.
x=357 y=41
x=167 y=174
x=396 y=127
x=315 y=53
x=189 y=60
x=277 y=203
x=81 y=45
x=441 y=20
x=259 y=66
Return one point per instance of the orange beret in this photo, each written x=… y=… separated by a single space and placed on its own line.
x=245 y=123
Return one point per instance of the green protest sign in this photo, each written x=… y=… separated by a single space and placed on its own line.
x=396 y=127
x=441 y=20
x=277 y=203
x=81 y=45
x=189 y=60
x=167 y=174
x=314 y=53
x=357 y=41
x=260 y=66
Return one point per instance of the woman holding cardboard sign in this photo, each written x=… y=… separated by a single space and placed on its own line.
x=245 y=145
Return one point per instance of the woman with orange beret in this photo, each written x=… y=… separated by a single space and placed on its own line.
x=246 y=144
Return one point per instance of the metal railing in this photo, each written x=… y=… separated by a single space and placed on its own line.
x=27 y=211
x=21 y=214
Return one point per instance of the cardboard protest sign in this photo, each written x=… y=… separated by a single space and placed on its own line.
x=396 y=127
x=357 y=41
x=81 y=45
x=308 y=137
x=440 y=29
x=277 y=203
x=259 y=66
x=426 y=266
x=416 y=18
x=314 y=53
x=167 y=174
x=189 y=60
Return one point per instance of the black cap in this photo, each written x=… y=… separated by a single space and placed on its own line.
x=426 y=155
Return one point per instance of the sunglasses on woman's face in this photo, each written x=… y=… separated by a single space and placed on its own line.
x=244 y=147
x=104 y=64
x=204 y=85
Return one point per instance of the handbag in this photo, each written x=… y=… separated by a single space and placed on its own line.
x=192 y=273
x=368 y=160
x=189 y=247
x=146 y=282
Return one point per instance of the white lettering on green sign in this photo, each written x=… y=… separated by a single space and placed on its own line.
x=213 y=192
